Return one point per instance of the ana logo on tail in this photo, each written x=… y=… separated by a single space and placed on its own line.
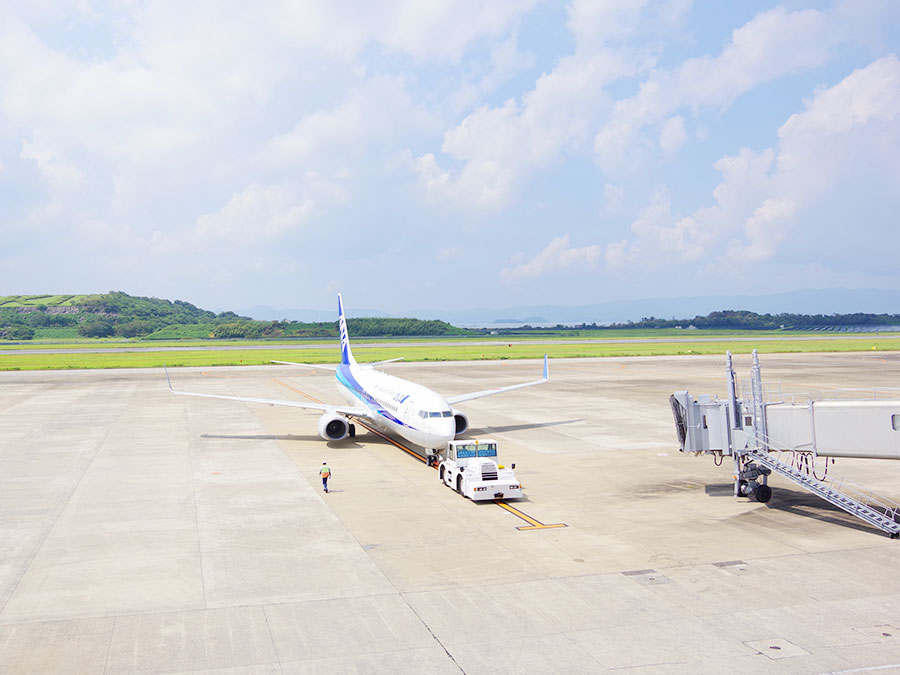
x=346 y=354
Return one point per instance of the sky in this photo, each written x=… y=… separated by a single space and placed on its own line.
x=448 y=153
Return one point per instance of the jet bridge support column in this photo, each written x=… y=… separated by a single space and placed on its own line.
x=750 y=478
x=737 y=423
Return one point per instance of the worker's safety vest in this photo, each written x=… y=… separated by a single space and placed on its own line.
x=325 y=472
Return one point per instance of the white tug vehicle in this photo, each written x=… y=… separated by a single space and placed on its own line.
x=470 y=467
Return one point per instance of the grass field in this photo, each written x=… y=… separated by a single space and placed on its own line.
x=35 y=300
x=429 y=352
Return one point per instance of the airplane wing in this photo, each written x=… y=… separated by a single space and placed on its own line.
x=357 y=411
x=307 y=365
x=499 y=390
x=333 y=368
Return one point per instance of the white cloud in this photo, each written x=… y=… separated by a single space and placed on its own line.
x=769 y=46
x=845 y=141
x=620 y=254
x=655 y=215
x=100 y=233
x=765 y=229
x=613 y=198
x=180 y=81
x=449 y=253
x=597 y=23
x=367 y=119
x=499 y=146
x=59 y=173
x=257 y=212
x=672 y=135
x=848 y=129
x=442 y=29
x=557 y=255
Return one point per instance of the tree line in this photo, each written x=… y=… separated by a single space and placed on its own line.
x=745 y=320
x=117 y=314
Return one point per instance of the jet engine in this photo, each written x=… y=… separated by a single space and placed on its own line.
x=462 y=422
x=335 y=427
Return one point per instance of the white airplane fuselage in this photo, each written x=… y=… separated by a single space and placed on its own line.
x=410 y=410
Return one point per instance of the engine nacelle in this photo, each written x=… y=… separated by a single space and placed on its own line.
x=462 y=422
x=333 y=427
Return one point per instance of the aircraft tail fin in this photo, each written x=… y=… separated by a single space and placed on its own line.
x=346 y=354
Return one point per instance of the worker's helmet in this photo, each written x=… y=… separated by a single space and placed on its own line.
x=324 y=463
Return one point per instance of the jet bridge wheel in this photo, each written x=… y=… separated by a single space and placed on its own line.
x=762 y=494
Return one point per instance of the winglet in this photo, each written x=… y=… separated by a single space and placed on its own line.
x=168 y=380
x=346 y=354
x=546 y=369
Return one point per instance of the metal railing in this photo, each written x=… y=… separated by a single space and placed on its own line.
x=857 y=500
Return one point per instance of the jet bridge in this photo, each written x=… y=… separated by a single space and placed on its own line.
x=764 y=436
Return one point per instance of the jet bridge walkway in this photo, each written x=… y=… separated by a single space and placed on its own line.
x=740 y=429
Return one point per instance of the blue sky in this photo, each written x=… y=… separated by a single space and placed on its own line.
x=448 y=154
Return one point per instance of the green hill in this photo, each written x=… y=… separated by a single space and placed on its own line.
x=117 y=314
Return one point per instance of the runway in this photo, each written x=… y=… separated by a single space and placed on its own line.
x=142 y=532
x=445 y=342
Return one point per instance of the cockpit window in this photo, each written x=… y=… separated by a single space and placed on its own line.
x=447 y=413
x=434 y=414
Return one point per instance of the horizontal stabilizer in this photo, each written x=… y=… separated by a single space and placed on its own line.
x=381 y=363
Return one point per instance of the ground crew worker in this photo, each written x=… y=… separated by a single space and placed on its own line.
x=325 y=473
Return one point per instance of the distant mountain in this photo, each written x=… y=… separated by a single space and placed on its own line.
x=825 y=301
x=527 y=319
x=266 y=313
x=830 y=301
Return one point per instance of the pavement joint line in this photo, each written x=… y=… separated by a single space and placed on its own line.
x=196 y=506
x=272 y=638
x=533 y=523
x=428 y=628
x=62 y=508
x=867 y=669
x=112 y=634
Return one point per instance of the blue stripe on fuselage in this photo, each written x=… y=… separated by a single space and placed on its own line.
x=345 y=377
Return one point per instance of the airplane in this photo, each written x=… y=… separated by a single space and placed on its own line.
x=394 y=405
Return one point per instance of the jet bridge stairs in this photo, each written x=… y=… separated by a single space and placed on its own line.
x=707 y=425
x=865 y=505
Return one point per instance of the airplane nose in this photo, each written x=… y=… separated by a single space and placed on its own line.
x=441 y=431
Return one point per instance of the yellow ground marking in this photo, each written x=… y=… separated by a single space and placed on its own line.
x=533 y=524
